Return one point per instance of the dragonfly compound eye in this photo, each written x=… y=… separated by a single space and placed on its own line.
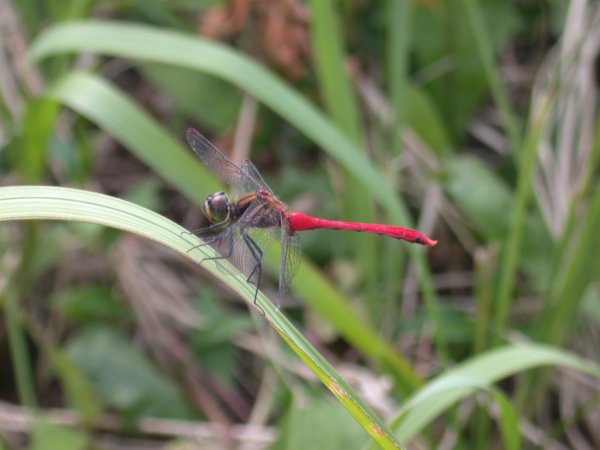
x=217 y=207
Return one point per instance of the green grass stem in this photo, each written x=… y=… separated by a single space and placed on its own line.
x=17 y=341
x=512 y=247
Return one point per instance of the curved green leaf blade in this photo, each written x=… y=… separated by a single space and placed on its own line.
x=58 y=203
x=482 y=371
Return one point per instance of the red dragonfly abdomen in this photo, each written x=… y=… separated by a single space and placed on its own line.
x=302 y=222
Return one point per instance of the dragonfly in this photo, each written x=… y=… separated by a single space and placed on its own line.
x=240 y=229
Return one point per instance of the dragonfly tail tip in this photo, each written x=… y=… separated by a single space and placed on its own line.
x=431 y=242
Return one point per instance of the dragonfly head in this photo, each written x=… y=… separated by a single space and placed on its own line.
x=217 y=207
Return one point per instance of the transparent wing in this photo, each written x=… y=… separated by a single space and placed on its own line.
x=241 y=247
x=251 y=170
x=254 y=238
x=222 y=166
x=247 y=256
x=224 y=244
x=290 y=258
x=279 y=231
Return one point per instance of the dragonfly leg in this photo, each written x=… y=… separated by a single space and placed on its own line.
x=223 y=255
x=205 y=243
x=209 y=234
x=257 y=255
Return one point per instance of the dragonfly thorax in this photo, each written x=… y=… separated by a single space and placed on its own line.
x=217 y=207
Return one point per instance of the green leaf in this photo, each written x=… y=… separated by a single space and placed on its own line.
x=509 y=421
x=149 y=141
x=47 y=436
x=89 y=304
x=318 y=424
x=38 y=123
x=486 y=200
x=481 y=194
x=210 y=100
x=334 y=81
x=518 y=213
x=123 y=378
x=214 y=342
x=479 y=372
x=146 y=194
x=77 y=388
x=462 y=66
x=425 y=120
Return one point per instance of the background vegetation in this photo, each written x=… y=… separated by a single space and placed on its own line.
x=473 y=121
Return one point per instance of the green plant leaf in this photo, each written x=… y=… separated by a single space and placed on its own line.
x=124 y=378
x=78 y=390
x=91 y=303
x=481 y=194
x=476 y=374
x=318 y=424
x=215 y=103
x=46 y=435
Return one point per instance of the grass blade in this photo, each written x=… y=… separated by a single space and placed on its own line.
x=479 y=372
x=509 y=261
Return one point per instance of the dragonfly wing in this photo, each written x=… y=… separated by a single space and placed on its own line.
x=253 y=173
x=256 y=218
x=290 y=255
x=257 y=238
x=234 y=247
x=261 y=238
x=224 y=244
x=290 y=259
x=220 y=165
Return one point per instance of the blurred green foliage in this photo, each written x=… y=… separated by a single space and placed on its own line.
x=433 y=113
